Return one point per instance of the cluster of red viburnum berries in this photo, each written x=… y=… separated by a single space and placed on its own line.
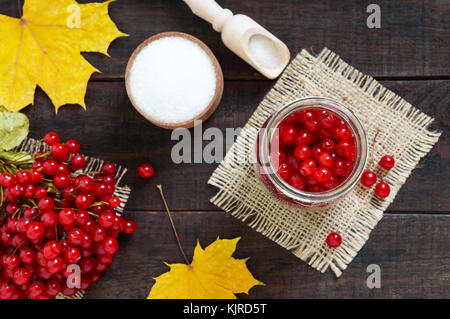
x=53 y=216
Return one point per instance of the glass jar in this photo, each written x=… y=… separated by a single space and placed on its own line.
x=266 y=167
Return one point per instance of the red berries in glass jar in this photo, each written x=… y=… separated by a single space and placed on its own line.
x=325 y=147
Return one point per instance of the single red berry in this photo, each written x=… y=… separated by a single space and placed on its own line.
x=312 y=125
x=61 y=181
x=19 y=240
x=129 y=227
x=287 y=134
x=109 y=180
x=109 y=168
x=60 y=152
x=55 y=265
x=368 y=178
x=11 y=225
x=296 y=181
x=118 y=224
x=31 y=212
x=73 y=146
x=12 y=208
x=35 y=231
x=68 y=292
x=12 y=261
x=37 y=165
x=114 y=201
x=293 y=162
x=83 y=201
x=49 y=218
x=82 y=217
x=98 y=234
x=100 y=189
x=334 y=240
x=24 y=224
x=7 y=180
x=342 y=133
x=331 y=183
x=106 y=219
x=382 y=190
x=145 y=170
x=303 y=137
x=36 y=176
x=16 y=190
x=346 y=150
x=77 y=162
x=308 y=167
x=75 y=236
x=62 y=169
x=21 y=276
x=86 y=184
x=72 y=255
x=66 y=217
x=29 y=191
x=387 y=162
x=302 y=152
x=50 y=167
x=327 y=145
x=325 y=159
x=326 y=119
x=53 y=287
x=110 y=245
x=27 y=255
x=322 y=175
x=46 y=203
x=51 y=138
x=52 y=249
x=86 y=241
x=284 y=171
x=40 y=193
x=23 y=177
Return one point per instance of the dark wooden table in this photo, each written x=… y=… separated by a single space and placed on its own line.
x=409 y=55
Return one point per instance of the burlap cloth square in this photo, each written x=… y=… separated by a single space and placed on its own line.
x=393 y=127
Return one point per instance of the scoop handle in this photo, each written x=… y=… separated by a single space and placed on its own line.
x=210 y=11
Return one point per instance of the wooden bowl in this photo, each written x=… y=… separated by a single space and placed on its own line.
x=207 y=112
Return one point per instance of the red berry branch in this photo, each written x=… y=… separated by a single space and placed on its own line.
x=53 y=216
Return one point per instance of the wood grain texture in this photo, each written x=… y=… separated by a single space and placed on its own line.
x=411 y=250
x=410 y=42
x=113 y=130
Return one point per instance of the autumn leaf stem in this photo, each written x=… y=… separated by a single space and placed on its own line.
x=172 y=224
x=20 y=8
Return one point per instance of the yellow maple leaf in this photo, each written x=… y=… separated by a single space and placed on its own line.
x=213 y=274
x=43 y=48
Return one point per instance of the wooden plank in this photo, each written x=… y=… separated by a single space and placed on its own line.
x=113 y=130
x=412 y=41
x=411 y=250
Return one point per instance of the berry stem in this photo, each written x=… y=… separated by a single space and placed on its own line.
x=173 y=225
x=373 y=145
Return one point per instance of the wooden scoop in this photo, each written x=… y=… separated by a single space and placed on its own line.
x=245 y=37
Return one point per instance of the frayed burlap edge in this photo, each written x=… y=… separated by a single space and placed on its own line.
x=303 y=232
x=33 y=146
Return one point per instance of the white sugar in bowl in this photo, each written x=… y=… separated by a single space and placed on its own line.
x=173 y=79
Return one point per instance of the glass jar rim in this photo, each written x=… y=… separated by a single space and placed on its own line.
x=319 y=103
